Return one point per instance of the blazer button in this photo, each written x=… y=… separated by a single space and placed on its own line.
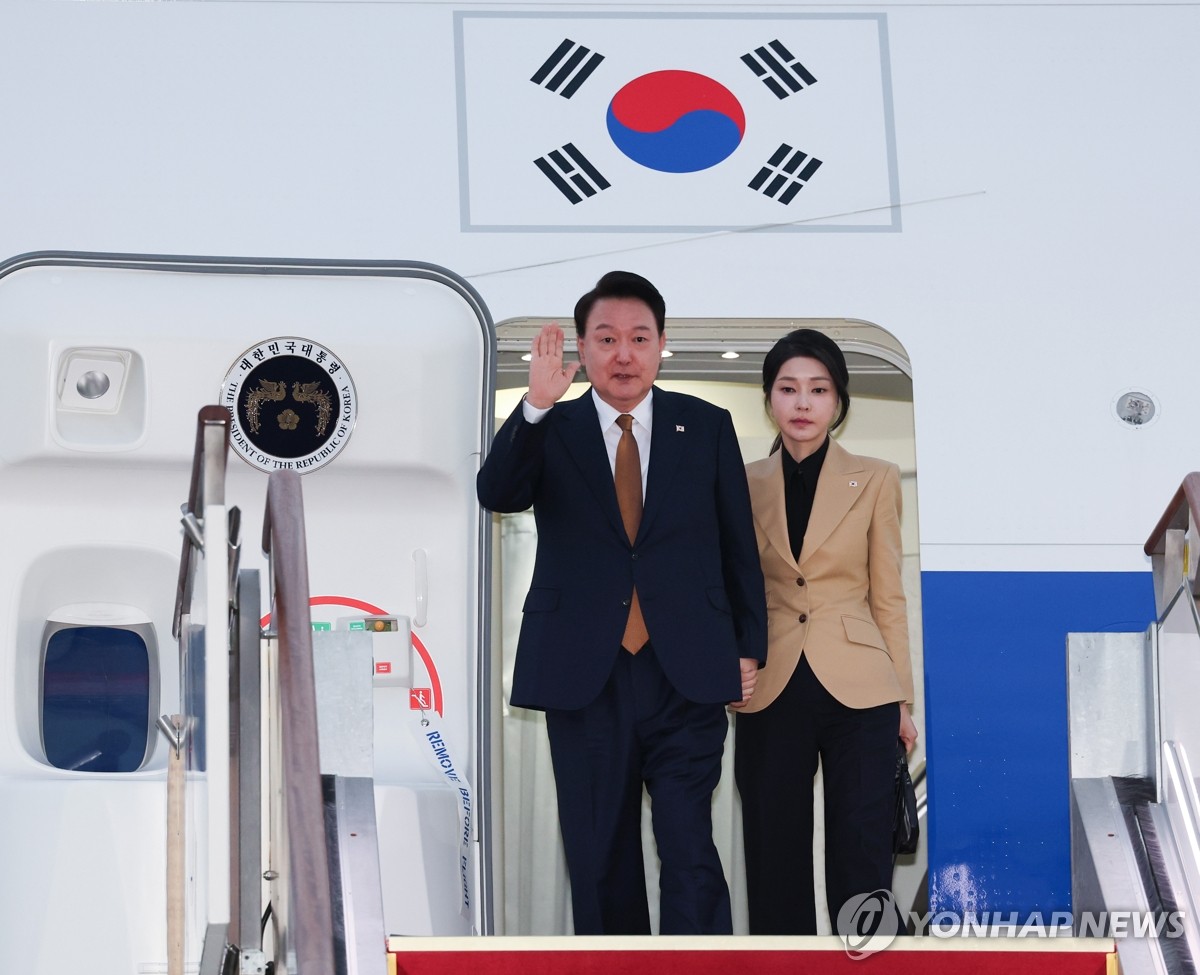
x=803 y=617
x=800 y=582
x=635 y=556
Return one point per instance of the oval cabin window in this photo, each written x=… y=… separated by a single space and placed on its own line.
x=95 y=705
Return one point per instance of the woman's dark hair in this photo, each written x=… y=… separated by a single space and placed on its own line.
x=621 y=284
x=810 y=344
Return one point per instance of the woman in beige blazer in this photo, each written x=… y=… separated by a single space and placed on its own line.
x=837 y=682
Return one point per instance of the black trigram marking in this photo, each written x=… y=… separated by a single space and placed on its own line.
x=788 y=170
x=569 y=170
x=571 y=63
x=778 y=69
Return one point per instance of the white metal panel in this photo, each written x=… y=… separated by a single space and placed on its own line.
x=102 y=524
x=1034 y=145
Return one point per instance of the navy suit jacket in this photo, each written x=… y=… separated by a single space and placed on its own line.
x=694 y=562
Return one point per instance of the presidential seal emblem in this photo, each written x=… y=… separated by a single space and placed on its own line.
x=293 y=405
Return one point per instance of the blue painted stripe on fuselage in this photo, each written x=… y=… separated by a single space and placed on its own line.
x=996 y=728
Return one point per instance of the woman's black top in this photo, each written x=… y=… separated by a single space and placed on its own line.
x=799 y=486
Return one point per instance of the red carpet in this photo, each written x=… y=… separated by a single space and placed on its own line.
x=753 y=956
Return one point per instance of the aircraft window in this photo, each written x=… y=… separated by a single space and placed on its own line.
x=95 y=705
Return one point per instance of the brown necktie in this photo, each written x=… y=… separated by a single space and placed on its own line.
x=628 y=481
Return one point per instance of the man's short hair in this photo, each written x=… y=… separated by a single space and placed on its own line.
x=621 y=284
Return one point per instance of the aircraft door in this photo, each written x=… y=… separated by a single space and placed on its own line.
x=116 y=354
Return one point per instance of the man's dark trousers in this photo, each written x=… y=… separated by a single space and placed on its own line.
x=640 y=729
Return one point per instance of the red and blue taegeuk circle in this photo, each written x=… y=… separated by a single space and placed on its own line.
x=676 y=121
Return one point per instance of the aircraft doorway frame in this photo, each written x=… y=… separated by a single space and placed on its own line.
x=707 y=357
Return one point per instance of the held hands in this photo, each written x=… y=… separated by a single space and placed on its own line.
x=548 y=377
x=908 y=730
x=749 y=667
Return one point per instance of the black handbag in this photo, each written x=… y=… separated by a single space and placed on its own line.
x=906 y=830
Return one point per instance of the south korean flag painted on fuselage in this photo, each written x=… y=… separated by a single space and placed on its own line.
x=675 y=122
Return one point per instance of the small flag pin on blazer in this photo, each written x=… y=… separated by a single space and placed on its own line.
x=854 y=483
x=679 y=428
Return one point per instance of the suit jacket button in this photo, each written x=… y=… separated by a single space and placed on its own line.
x=803 y=617
x=635 y=556
x=800 y=582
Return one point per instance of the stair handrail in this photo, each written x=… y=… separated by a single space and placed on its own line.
x=310 y=918
x=1186 y=499
x=205 y=533
x=1174 y=545
x=207 y=486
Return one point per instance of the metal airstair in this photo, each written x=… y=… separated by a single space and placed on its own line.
x=1134 y=736
x=324 y=911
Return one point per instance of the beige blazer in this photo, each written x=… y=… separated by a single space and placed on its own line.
x=843 y=605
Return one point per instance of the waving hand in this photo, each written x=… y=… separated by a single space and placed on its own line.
x=549 y=379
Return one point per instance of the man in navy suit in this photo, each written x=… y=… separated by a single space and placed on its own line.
x=636 y=634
